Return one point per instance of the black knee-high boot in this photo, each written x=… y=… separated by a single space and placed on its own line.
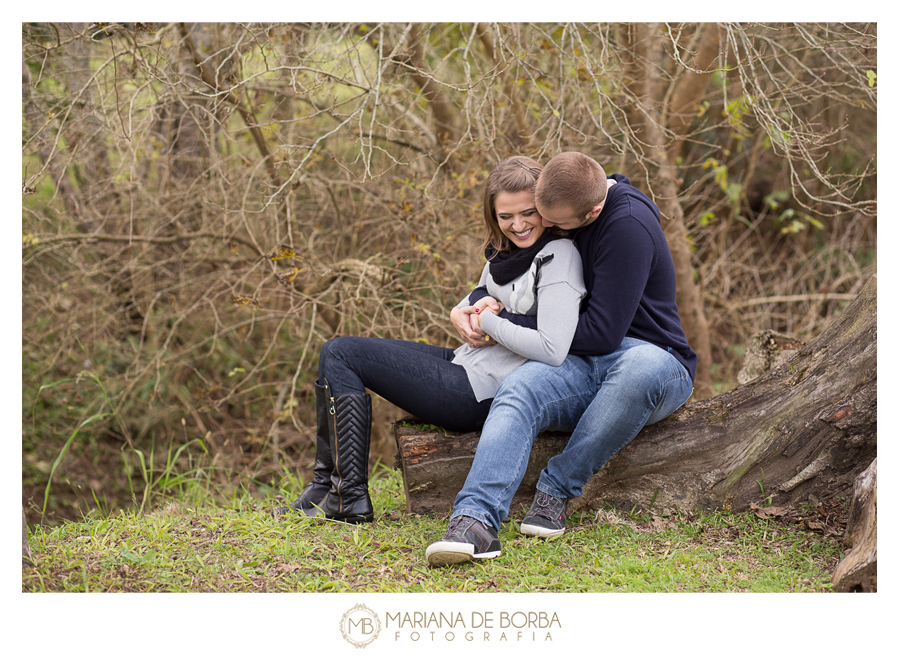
x=321 y=483
x=351 y=431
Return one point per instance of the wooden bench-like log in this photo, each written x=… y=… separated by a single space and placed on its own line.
x=435 y=464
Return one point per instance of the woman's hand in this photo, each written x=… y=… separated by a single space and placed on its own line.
x=468 y=324
x=489 y=303
x=461 y=317
x=482 y=306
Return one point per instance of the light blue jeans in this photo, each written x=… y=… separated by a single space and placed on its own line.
x=605 y=399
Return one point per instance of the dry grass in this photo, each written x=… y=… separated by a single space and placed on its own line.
x=204 y=544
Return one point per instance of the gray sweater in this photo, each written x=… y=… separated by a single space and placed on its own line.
x=551 y=290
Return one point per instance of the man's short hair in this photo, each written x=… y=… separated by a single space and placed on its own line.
x=571 y=180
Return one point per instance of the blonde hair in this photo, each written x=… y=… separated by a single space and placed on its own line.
x=571 y=180
x=515 y=174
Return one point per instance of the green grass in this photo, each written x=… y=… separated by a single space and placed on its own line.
x=197 y=543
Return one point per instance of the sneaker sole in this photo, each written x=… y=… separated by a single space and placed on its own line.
x=443 y=553
x=538 y=531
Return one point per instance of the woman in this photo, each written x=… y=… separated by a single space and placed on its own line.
x=530 y=270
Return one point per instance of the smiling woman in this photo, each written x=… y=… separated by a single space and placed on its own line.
x=518 y=217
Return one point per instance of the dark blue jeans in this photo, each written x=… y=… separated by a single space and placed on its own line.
x=418 y=378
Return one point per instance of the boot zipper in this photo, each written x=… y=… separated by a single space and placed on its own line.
x=331 y=411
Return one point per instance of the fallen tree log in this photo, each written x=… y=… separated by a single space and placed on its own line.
x=858 y=571
x=805 y=428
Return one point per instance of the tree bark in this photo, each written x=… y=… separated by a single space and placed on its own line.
x=858 y=571
x=806 y=427
x=659 y=118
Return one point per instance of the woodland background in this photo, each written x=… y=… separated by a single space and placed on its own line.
x=205 y=204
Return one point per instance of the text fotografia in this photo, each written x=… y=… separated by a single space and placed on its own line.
x=477 y=626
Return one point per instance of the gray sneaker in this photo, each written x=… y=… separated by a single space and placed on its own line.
x=466 y=539
x=547 y=516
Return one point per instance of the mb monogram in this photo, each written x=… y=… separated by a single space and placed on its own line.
x=360 y=626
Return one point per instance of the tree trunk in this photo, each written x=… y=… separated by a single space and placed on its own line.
x=209 y=77
x=806 y=427
x=858 y=571
x=688 y=295
x=659 y=116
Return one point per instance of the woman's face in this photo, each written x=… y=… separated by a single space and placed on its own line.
x=518 y=217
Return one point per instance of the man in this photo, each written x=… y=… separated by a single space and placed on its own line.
x=629 y=364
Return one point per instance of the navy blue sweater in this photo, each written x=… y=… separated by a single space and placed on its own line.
x=630 y=278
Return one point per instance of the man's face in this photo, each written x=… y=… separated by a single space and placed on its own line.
x=565 y=218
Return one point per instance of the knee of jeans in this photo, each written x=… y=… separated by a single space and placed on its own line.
x=670 y=398
x=639 y=365
x=511 y=408
x=511 y=416
x=514 y=392
x=331 y=350
x=328 y=348
x=643 y=354
x=646 y=370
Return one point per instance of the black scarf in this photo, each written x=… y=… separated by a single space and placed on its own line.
x=508 y=266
